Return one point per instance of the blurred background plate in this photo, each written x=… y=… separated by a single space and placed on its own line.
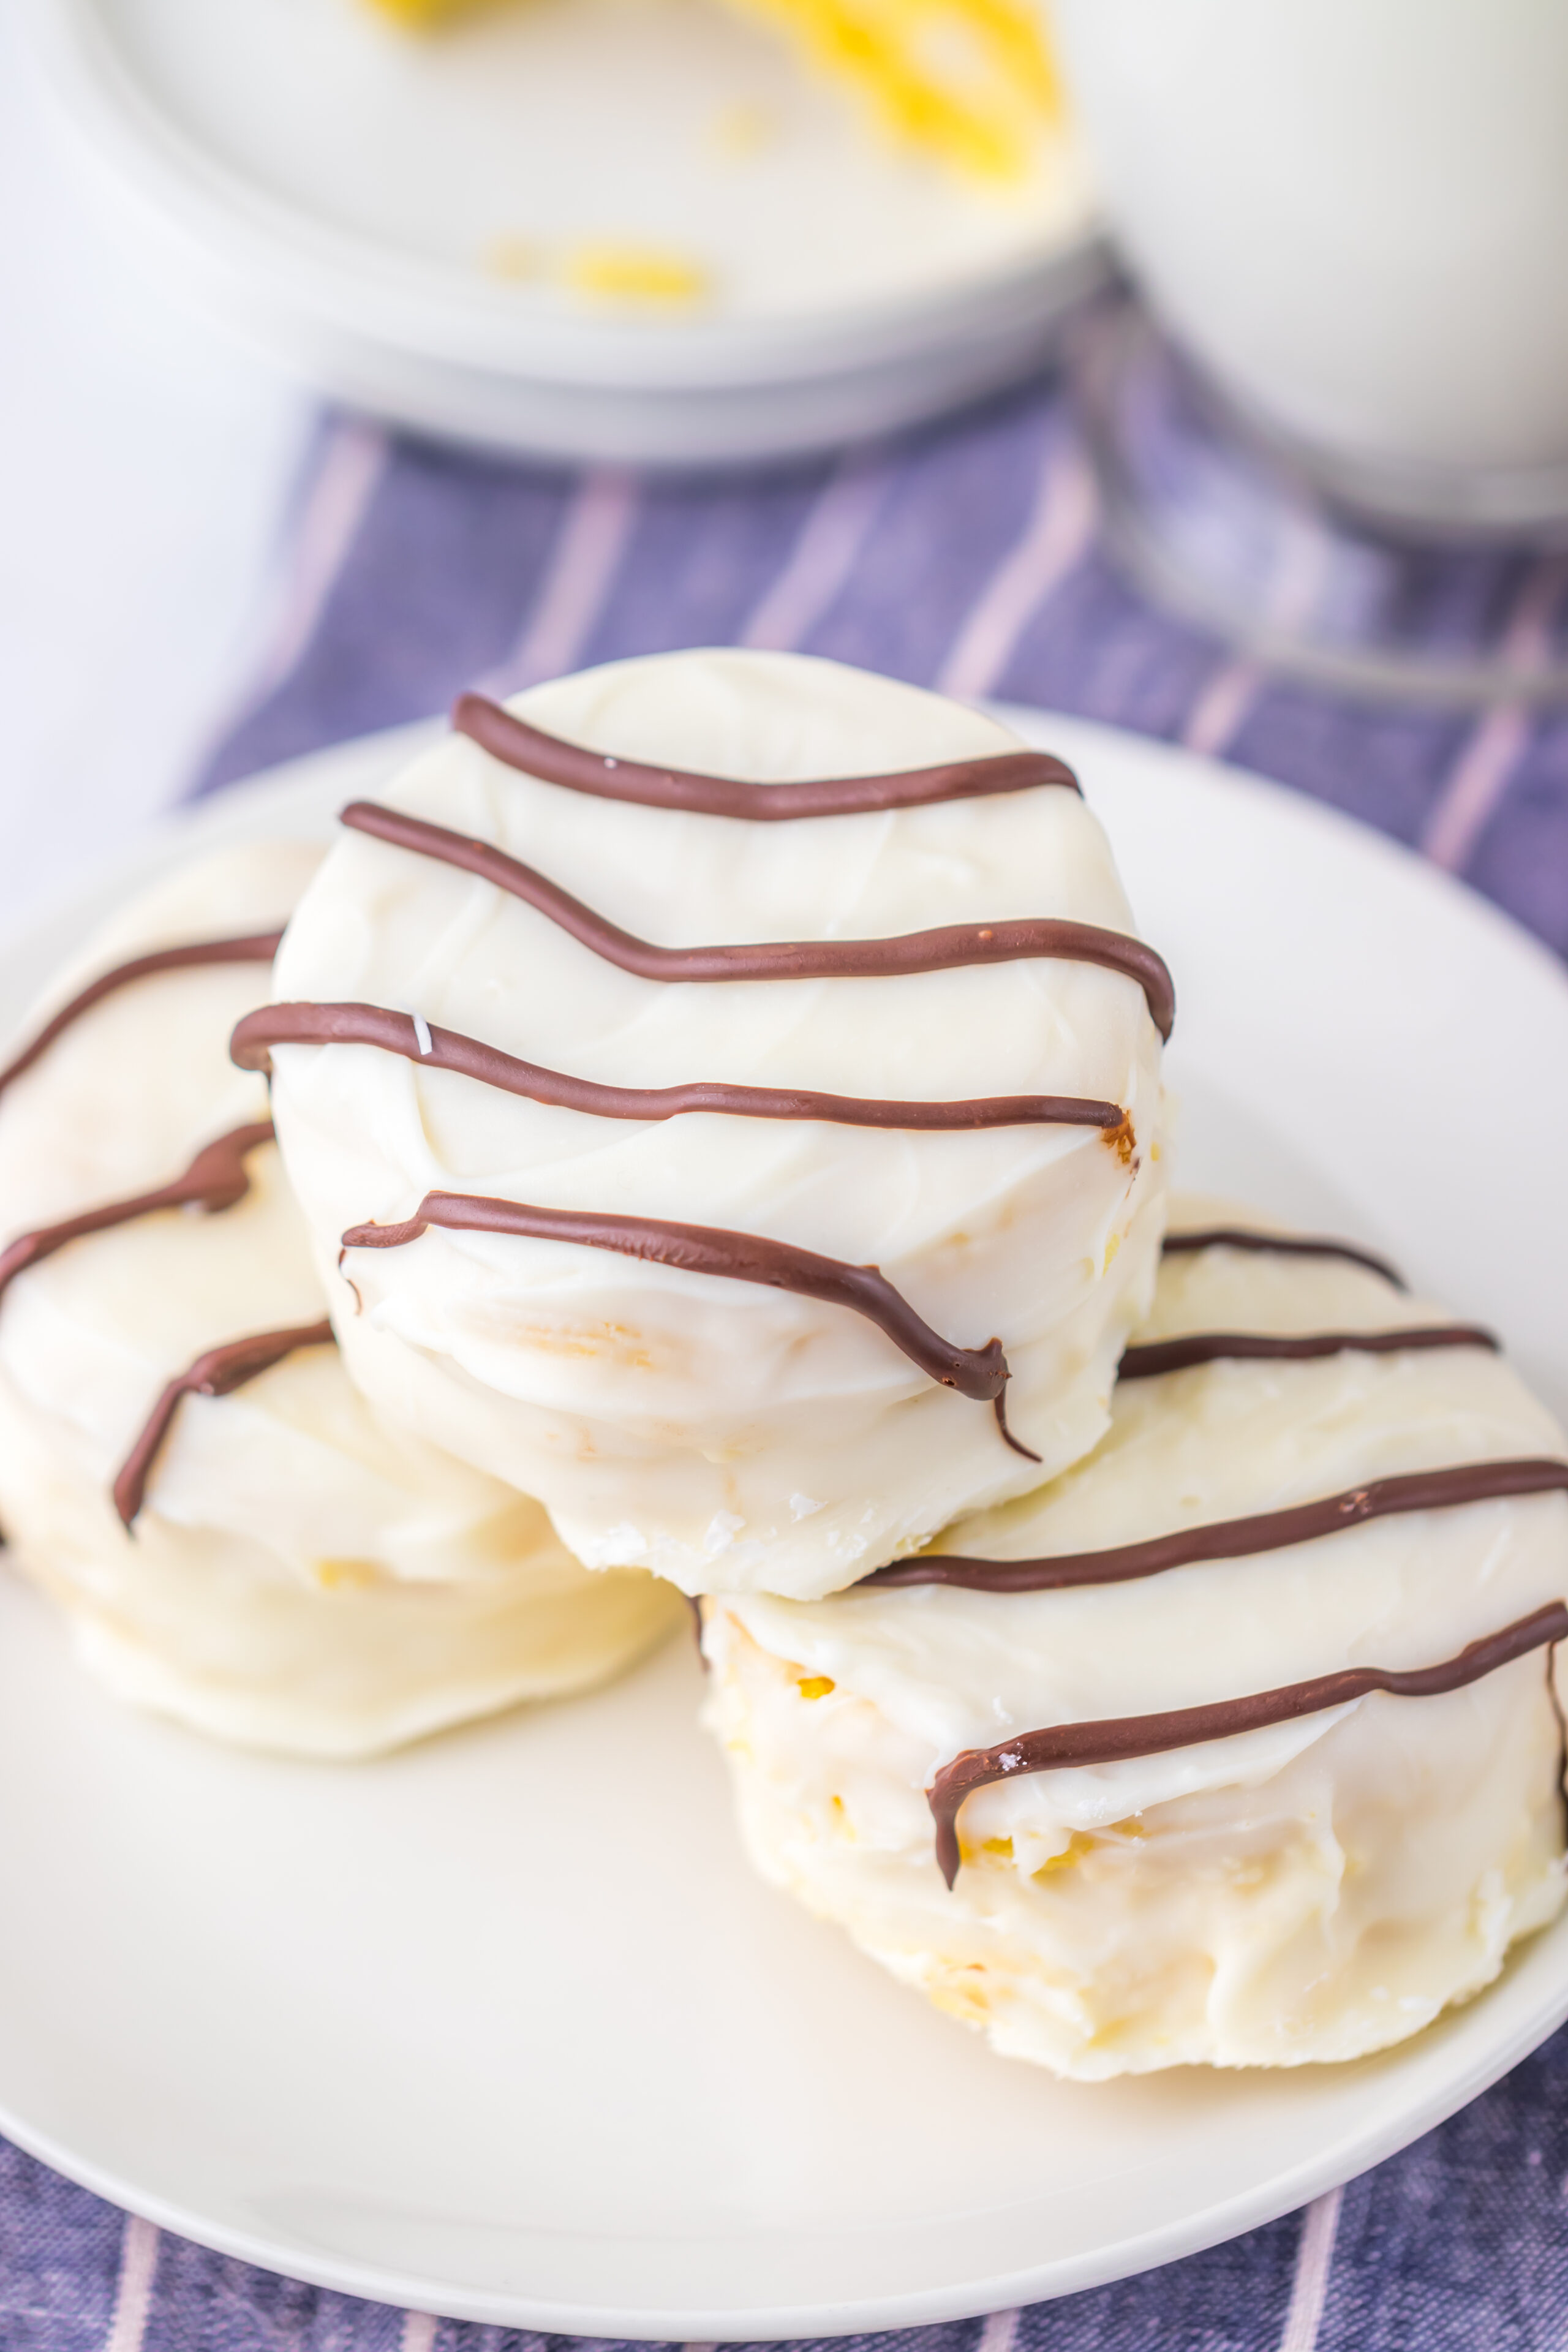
x=407 y=223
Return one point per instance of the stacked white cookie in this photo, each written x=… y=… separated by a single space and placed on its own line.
x=718 y=1105
x=1247 y=1751
x=973 y=1109
x=272 y=1564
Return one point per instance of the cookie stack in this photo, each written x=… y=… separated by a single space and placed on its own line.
x=705 y=1138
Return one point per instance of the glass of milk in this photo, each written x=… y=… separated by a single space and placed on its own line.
x=1353 y=215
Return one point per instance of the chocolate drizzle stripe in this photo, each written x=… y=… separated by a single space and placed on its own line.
x=256 y=946
x=1244 y=1237
x=1114 y=1741
x=1152 y=1357
x=952 y=948
x=1380 y=1498
x=215 y=1179
x=448 y=1049
x=216 y=1374
x=519 y=744
x=977 y=1373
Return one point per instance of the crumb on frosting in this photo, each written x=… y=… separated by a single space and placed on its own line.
x=1120 y=1139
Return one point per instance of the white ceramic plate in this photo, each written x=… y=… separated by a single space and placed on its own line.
x=341 y=193
x=503 y=2027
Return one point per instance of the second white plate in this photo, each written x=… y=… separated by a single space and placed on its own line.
x=504 y=2028
x=396 y=219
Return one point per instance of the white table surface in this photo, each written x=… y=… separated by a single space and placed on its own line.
x=146 y=473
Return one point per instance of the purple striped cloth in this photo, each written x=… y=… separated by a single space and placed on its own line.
x=966 y=557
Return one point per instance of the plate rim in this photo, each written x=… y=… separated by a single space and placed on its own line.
x=276 y=800
x=370 y=290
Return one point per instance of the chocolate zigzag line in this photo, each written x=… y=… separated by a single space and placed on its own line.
x=1245 y=1237
x=216 y=1179
x=520 y=744
x=1380 y=1498
x=950 y=949
x=1119 y=1739
x=256 y=946
x=217 y=1373
x=1152 y=1357
x=434 y=1048
x=978 y=1372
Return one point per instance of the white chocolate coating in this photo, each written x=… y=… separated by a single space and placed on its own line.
x=300 y=1577
x=1311 y=1891
x=725 y=1434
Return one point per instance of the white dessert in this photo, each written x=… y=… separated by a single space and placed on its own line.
x=300 y=1576
x=725 y=1434
x=1312 y=1889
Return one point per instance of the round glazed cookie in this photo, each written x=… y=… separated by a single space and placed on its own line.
x=760 y=1164
x=1238 y=1743
x=265 y=1561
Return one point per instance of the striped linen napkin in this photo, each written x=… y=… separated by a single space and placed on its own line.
x=966 y=557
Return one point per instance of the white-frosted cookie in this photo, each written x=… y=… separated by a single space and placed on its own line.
x=297 y=1576
x=517 y=964
x=1311 y=1878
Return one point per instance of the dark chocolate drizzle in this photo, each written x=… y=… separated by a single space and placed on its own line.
x=256 y=946
x=520 y=744
x=215 y=1178
x=1152 y=1357
x=954 y=947
x=217 y=1373
x=1115 y=1741
x=978 y=1372
x=448 y=1049
x=1245 y=1237
x=1380 y=1498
